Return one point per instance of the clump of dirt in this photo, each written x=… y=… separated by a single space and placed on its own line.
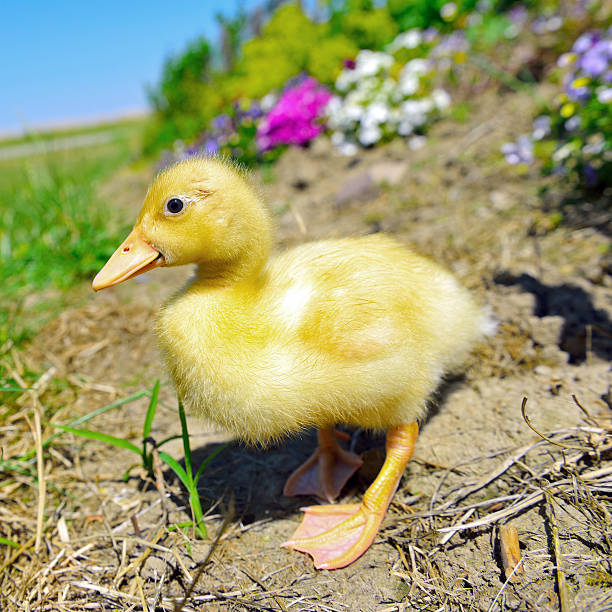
x=477 y=465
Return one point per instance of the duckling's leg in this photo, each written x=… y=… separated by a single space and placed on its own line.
x=326 y=471
x=337 y=535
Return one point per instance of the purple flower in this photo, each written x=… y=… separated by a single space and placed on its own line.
x=518 y=15
x=210 y=147
x=541 y=127
x=590 y=175
x=222 y=122
x=573 y=123
x=597 y=59
x=604 y=95
x=450 y=44
x=585 y=42
x=519 y=152
x=576 y=94
x=295 y=118
x=349 y=64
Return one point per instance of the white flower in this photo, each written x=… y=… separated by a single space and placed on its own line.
x=448 y=11
x=348 y=148
x=604 y=94
x=408 y=84
x=345 y=79
x=369 y=135
x=417 y=142
x=353 y=112
x=563 y=152
x=376 y=113
x=406 y=40
x=405 y=128
x=337 y=138
x=441 y=99
x=369 y=63
x=418 y=65
x=268 y=102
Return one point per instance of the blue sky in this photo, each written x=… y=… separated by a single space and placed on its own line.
x=67 y=61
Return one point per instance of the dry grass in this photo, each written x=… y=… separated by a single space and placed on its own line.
x=68 y=558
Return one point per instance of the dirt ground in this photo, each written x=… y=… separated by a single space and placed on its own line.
x=548 y=283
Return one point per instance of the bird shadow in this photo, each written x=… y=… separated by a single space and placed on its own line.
x=256 y=476
x=576 y=307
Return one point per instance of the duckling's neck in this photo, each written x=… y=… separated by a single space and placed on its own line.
x=225 y=274
x=245 y=267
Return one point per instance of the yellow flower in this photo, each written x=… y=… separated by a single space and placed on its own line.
x=460 y=57
x=567 y=110
x=581 y=82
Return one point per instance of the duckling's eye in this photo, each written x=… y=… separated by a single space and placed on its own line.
x=174 y=206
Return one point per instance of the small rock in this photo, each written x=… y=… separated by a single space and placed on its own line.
x=360 y=188
x=543 y=370
x=500 y=200
x=546 y=330
x=321 y=147
x=522 y=303
x=388 y=173
x=154 y=567
x=553 y=354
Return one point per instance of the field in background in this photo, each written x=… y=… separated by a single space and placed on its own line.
x=55 y=230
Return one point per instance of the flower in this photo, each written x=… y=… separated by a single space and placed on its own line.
x=541 y=127
x=519 y=152
x=597 y=59
x=604 y=95
x=374 y=104
x=448 y=11
x=406 y=40
x=296 y=116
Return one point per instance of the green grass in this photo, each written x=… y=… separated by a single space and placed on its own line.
x=146 y=452
x=55 y=230
x=127 y=127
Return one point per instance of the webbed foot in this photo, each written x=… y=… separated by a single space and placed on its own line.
x=326 y=471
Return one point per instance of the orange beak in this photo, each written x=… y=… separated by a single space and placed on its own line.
x=133 y=257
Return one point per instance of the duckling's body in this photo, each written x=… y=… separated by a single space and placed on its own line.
x=330 y=332
x=356 y=331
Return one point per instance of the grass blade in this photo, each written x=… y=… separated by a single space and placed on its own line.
x=148 y=424
x=87 y=417
x=166 y=440
x=176 y=467
x=208 y=460
x=102 y=437
x=186 y=445
x=7 y=542
x=194 y=497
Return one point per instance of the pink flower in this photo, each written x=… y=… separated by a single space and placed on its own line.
x=295 y=118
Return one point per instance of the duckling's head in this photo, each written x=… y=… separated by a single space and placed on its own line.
x=199 y=211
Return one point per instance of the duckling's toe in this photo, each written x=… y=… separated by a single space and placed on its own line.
x=337 y=535
x=326 y=471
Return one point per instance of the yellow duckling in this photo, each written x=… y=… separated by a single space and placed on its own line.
x=356 y=331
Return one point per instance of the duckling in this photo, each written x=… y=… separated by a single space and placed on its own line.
x=356 y=331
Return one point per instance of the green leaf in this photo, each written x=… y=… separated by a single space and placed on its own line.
x=166 y=440
x=148 y=424
x=87 y=417
x=7 y=542
x=102 y=437
x=208 y=460
x=186 y=445
x=177 y=468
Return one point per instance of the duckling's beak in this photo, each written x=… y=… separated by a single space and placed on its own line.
x=132 y=258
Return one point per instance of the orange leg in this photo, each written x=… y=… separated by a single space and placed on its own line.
x=335 y=536
x=326 y=471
